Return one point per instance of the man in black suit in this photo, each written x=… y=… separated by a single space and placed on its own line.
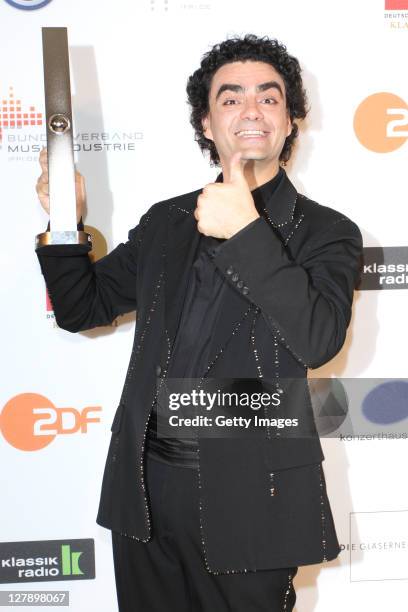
x=243 y=279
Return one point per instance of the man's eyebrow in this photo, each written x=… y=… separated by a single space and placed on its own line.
x=239 y=89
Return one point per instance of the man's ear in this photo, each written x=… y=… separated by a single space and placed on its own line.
x=290 y=127
x=205 y=122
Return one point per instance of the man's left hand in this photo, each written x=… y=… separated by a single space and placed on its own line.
x=223 y=209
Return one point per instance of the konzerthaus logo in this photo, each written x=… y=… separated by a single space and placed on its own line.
x=384 y=268
x=43 y=561
x=28 y=5
x=387 y=403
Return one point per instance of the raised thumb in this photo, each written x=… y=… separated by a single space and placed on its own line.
x=236 y=168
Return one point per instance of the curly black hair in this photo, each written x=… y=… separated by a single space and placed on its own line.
x=253 y=48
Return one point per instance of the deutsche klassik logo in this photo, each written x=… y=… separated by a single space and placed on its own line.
x=30 y=421
x=40 y=561
x=381 y=122
x=396 y=15
x=28 y=5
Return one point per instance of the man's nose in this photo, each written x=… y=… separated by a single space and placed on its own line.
x=251 y=109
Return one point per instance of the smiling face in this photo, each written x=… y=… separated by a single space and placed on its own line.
x=248 y=96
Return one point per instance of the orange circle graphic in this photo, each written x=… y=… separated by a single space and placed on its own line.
x=18 y=421
x=379 y=119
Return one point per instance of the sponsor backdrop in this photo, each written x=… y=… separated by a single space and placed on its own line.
x=134 y=144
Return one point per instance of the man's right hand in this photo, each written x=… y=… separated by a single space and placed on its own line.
x=43 y=190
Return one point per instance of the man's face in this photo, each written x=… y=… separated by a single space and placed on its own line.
x=248 y=96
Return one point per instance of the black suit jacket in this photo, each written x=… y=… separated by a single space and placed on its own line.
x=263 y=502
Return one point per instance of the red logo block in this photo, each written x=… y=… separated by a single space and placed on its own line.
x=396 y=5
x=13 y=115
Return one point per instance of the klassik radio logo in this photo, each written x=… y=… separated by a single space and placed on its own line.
x=381 y=122
x=28 y=5
x=30 y=421
x=384 y=268
x=43 y=561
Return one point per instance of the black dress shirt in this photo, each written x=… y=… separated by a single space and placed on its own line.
x=190 y=350
x=191 y=346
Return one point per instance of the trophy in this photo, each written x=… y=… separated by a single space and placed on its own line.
x=61 y=169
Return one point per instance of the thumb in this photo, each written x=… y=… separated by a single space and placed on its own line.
x=236 y=168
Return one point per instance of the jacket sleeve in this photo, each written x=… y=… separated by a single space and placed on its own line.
x=85 y=294
x=307 y=302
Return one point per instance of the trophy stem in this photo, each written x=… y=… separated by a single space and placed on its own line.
x=61 y=169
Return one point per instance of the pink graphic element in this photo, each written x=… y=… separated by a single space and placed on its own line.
x=48 y=302
x=396 y=5
x=11 y=115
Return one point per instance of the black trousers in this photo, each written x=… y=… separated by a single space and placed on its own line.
x=167 y=574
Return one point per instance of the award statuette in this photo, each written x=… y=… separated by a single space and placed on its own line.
x=61 y=169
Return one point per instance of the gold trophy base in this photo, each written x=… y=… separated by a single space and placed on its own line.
x=63 y=243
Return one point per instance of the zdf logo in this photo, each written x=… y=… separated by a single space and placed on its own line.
x=30 y=421
x=381 y=122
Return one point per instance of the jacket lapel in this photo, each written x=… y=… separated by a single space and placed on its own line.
x=234 y=309
x=182 y=243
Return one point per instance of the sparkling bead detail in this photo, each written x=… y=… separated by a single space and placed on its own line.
x=282 y=340
x=272 y=483
x=182 y=210
x=287 y=592
x=210 y=365
x=322 y=511
x=298 y=222
x=135 y=353
x=115 y=446
x=254 y=349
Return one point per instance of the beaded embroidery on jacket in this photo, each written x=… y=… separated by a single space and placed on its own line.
x=277 y=338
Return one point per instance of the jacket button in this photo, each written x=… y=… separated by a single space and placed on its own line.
x=245 y=290
x=158 y=370
x=234 y=277
x=229 y=270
